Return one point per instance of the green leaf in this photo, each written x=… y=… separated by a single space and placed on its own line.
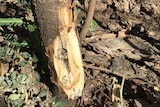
x=17 y=103
x=34 y=99
x=1 y=79
x=7 y=74
x=9 y=82
x=78 y=11
x=11 y=22
x=61 y=103
x=15 y=85
x=22 y=96
x=24 y=64
x=20 y=88
x=43 y=93
x=42 y=104
x=19 y=77
x=15 y=43
x=51 y=100
x=93 y=25
x=24 y=43
x=34 y=59
x=36 y=76
x=9 y=51
x=31 y=27
x=23 y=79
x=13 y=75
x=25 y=55
x=13 y=96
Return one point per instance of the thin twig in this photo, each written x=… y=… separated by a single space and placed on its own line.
x=103 y=69
x=107 y=71
x=91 y=8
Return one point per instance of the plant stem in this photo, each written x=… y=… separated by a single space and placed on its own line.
x=91 y=8
x=121 y=89
x=2 y=68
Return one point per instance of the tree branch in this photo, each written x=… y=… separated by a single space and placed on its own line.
x=92 y=4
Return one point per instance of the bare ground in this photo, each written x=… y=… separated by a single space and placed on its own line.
x=126 y=40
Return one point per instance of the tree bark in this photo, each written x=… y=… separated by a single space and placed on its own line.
x=59 y=37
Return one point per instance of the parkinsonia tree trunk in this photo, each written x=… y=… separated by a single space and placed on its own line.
x=62 y=47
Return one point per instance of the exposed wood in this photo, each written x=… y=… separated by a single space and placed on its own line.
x=61 y=44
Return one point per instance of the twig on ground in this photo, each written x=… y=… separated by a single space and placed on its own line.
x=107 y=71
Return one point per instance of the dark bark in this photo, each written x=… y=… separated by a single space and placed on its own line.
x=47 y=17
x=59 y=37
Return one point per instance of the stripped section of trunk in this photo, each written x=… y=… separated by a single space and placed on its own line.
x=62 y=47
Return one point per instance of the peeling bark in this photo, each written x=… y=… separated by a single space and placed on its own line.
x=62 y=47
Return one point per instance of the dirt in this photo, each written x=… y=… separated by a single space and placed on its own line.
x=126 y=40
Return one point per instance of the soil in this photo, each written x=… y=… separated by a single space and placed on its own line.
x=126 y=41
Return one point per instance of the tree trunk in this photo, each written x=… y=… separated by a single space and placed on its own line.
x=59 y=37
